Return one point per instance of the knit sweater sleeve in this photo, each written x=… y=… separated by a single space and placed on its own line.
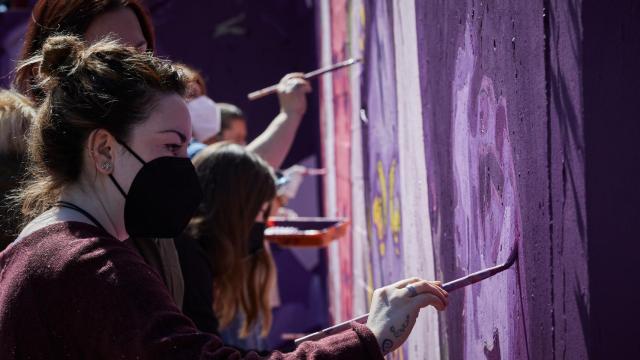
x=118 y=307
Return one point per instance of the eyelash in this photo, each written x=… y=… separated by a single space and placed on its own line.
x=173 y=147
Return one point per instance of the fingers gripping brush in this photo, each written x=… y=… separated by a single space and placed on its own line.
x=450 y=286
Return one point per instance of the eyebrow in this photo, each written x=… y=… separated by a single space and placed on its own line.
x=182 y=136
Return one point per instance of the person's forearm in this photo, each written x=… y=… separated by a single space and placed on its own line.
x=274 y=143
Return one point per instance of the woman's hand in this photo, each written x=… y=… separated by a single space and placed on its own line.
x=395 y=308
x=292 y=93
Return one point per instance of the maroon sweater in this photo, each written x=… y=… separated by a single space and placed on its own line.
x=71 y=291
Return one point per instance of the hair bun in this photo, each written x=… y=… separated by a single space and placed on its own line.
x=60 y=54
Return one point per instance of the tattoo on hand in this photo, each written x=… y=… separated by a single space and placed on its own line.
x=387 y=345
x=384 y=298
x=403 y=328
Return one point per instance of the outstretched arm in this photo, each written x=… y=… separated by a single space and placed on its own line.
x=274 y=143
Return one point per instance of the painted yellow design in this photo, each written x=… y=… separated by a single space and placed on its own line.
x=380 y=208
x=394 y=208
x=386 y=209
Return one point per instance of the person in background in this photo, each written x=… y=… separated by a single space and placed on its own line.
x=205 y=113
x=288 y=183
x=16 y=115
x=124 y=20
x=274 y=143
x=93 y=20
x=70 y=287
x=228 y=272
x=233 y=125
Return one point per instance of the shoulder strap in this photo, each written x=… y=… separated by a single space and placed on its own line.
x=68 y=205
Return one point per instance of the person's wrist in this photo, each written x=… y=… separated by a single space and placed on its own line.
x=369 y=339
x=292 y=113
x=378 y=334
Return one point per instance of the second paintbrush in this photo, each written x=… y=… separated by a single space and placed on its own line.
x=310 y=75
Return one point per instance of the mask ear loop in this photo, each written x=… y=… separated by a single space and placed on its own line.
x=131 y=151
x=113 y=180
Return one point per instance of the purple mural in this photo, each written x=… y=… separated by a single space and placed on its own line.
x=487 y=211
x=491 y=166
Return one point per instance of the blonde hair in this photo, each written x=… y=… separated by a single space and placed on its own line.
x=16 y=114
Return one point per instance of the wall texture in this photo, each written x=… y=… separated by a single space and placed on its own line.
x=486 y=134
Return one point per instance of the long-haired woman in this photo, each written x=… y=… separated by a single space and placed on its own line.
x=228 y=272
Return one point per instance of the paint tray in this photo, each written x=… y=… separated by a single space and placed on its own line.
x=314 y=232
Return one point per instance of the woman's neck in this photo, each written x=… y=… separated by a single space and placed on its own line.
x=97 y=205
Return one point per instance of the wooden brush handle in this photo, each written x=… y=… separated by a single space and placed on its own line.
x=258 y=94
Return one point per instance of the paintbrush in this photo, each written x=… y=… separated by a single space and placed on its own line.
x=310 y=75
x=450 y=286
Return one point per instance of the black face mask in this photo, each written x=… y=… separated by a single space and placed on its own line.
x=162 y=198
x=256 y=238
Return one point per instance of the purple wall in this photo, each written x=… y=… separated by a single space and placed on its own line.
x=503 y=142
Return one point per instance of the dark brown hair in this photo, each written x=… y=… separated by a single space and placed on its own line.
x=103 y=86
x=193 y=77
x=236 y=184
x=50 y=17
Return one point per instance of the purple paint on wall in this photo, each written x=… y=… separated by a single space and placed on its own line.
x=486 y=137
x=487 y=210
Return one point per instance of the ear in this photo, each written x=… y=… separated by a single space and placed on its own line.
x=101 y=146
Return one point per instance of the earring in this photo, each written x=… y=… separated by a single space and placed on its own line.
x=106 y=166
